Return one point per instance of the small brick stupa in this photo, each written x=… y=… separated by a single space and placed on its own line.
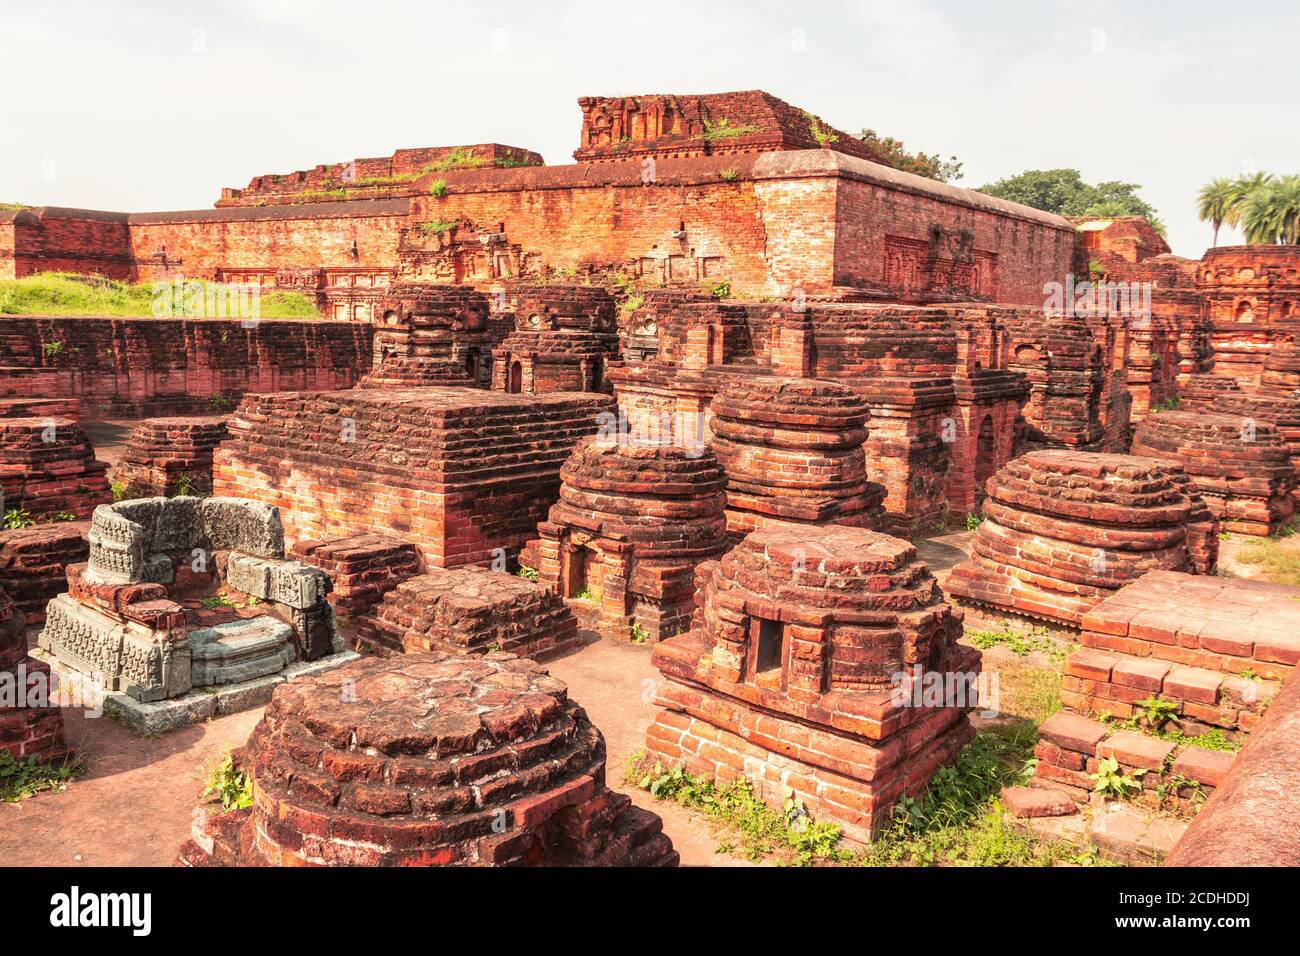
x=430 y=760
x=1064 y=530
x=1281 y=375
x=564 y=336
x=810 y=665
x=468 y=610
x=1240 y=465
x=29 y=728
x=431 y=335
x=792 y=451
x=34 y=562
x=632 y=523
x=170 y=456
x=48 y=468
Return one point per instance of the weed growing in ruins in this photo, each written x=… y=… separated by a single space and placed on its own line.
x=959 y=821
x=184 y=486
x=64 y=516
x=719 y=290
x=1278 y=559
x=790 y=833
x=1212 y=739
x=1157 y=712
x=1020 y=644
x=1171 y=788
x=13 y=207
x=230 y=784
x=722 y=129
x=458 y=158
x=1168 y=405
x=630 y=305
x=52 y=349
x=20 y=779
x=973 y=520
x=639 y=633
x=213 y=603
x=1113 y=782
x=219 y=402
x=527 y=573
x=823 y=136
x=118 y=487
x=728 y=175
x=436 y=227
x=438 y=188
x=506 y=162
x=17 y=518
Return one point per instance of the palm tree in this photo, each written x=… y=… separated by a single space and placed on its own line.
x=1271 y=213
x=1242 y=188
x=1215 y=203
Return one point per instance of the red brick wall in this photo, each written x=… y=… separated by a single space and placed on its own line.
x=141 y=367
x=71 y=240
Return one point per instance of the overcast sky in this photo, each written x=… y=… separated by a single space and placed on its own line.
x=142 y=106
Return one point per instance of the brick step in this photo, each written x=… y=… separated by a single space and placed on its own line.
x=1106 y=682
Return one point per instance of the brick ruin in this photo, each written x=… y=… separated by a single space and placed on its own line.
x=1240 y=466
x=430 y=759
x=692 y=377
x=169 y=456
x=1063 y=530
x=463 y=474
x=801 y=668
x=468 y=611
x=29 y=729
x=633 y=521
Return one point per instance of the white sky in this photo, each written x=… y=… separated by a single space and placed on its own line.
x=156 y=105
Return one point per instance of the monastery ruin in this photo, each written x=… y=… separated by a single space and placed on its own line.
x=716 y=387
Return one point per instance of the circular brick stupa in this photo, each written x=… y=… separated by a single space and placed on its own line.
x=805 y=668
x=48 y=468
x=1240 y=464
x=792 y=451
x=429 y=760
x=1064 y=530
x=632 y=523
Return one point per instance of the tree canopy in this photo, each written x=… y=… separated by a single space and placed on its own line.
x=1064 y=192
x=929 y=165
x=1265 y=207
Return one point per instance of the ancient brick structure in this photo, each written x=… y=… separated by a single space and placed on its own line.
x=732 y=200
x=140 y=367
x=1172 y=776
x=792 y=450
x=633 y=521
x=362 y=568
x=461 y=473
x=562 y=340
x=372 y=178
x=1240 y=464
x=433 y=335
x=1115 y=240
x=469 y=610
x=805 y=668
x=1064 y=530
x=1252 y=297
x=118 y=622
x=48 y=469
x=31 y=726
x=430 y=760
x=169 y=456
x=1216 y=647
x=1281 y=375
x=34 y=562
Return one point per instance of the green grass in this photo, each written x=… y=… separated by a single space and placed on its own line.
x=62 y=293
x=1278 y=558
x=722 y=129
x=1020 y=644
x=13 y=207
x=20 y=779
x=436 y=227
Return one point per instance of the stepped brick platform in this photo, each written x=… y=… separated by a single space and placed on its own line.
x=563 y=338
x=792 y=451
x=469 y=610
x=48 y=468
x=1205 y=392
x=1239 y=464
x=362 y=568
x=432 y=335
x=34 y=563
x=823 y=660
x=40 y=408
x=169 y=456
x=31 y=726
x=1064 y=530
x=633 y=522
x=463 y=474
x=430 y=760
x=1189 y=639
x=1175 y=777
